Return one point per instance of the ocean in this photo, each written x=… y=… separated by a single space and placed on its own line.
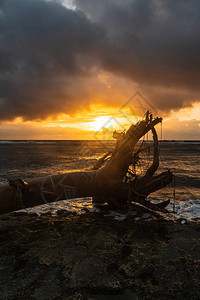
x=28 y=159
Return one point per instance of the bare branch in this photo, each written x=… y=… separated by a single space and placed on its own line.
x=153 y=168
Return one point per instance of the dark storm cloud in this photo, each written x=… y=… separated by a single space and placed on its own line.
x=154 y=41
x=50 y=55
x=45 y=56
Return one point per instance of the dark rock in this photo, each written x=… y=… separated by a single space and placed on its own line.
x=95 y=257
x=126 y=250
x=88 y=269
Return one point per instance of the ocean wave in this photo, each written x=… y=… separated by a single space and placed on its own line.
x=10 y=142
x=26 y=142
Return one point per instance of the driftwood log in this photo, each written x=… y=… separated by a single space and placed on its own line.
x=106 y=182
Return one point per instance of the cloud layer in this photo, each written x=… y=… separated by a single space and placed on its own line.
x=51 y=56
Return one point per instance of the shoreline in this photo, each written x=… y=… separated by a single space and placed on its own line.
x=91 y=256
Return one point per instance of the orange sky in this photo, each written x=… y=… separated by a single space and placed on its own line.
x=98 y=122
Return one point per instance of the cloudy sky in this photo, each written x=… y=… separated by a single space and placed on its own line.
x=70 y=67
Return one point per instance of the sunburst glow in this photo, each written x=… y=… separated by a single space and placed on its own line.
x=101 y=122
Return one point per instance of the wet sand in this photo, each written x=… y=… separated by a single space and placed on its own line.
x=91 y=256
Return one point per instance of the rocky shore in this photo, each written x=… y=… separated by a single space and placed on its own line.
x=91 y=256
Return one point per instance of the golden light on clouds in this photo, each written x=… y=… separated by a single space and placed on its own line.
x=99 y=120
x=188 y=113
x=82 y=125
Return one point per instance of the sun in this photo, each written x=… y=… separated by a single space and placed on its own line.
x=100 y=122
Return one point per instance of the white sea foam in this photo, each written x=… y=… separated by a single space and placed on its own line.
x=26 y=142
x=6 y=142
x=184 y=210
x=188 y=210
x=77 y=205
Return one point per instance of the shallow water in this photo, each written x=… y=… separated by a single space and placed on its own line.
x=183 y=210
x=26 y=159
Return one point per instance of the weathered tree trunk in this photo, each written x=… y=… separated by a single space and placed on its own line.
x=105 y=181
